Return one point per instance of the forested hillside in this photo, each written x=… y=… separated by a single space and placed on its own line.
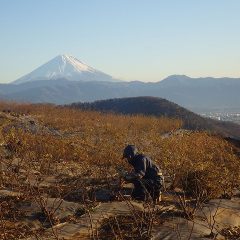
x=152 y=106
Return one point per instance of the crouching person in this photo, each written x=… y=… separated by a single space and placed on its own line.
x=146 y=177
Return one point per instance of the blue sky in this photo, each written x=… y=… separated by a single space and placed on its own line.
x=129 y=39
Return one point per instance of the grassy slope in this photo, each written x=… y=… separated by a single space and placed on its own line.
x=160 y=107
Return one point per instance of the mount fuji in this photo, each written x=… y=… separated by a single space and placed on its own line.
x=66 y=67
x=65 y=79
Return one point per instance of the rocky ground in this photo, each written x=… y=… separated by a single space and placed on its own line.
x=60 y=205
x=218 y=219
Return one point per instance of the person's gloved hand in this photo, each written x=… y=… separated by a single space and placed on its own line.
x=130 y=177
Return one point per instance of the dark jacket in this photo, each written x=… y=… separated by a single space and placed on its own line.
x=145 y=167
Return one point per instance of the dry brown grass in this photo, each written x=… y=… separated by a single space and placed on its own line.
x=88 y=147
x=95 y=141
x=199 y=162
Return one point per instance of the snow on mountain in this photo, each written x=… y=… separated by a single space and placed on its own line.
x=67 y=67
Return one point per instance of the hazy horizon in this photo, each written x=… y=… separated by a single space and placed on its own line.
x=129 y=40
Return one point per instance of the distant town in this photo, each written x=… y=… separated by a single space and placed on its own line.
x=223 y=115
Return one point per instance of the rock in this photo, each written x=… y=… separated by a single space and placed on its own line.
x=8 y=193
x=104 y=195
x=82 y=229
x=32 y=224
x=58 y=207
x=226 y=212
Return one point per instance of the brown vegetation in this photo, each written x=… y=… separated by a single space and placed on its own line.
x=153 y=106
x=87 y=148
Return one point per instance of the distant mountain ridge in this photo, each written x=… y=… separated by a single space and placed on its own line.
x=65 y=79
x=67 y=67
x=194 y=94
x=161 y=107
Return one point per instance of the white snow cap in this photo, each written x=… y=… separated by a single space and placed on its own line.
x=77 y=64
x=65 y=67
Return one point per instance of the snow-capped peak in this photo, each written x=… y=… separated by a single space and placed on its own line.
x=79 y=65
x=67 y=67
